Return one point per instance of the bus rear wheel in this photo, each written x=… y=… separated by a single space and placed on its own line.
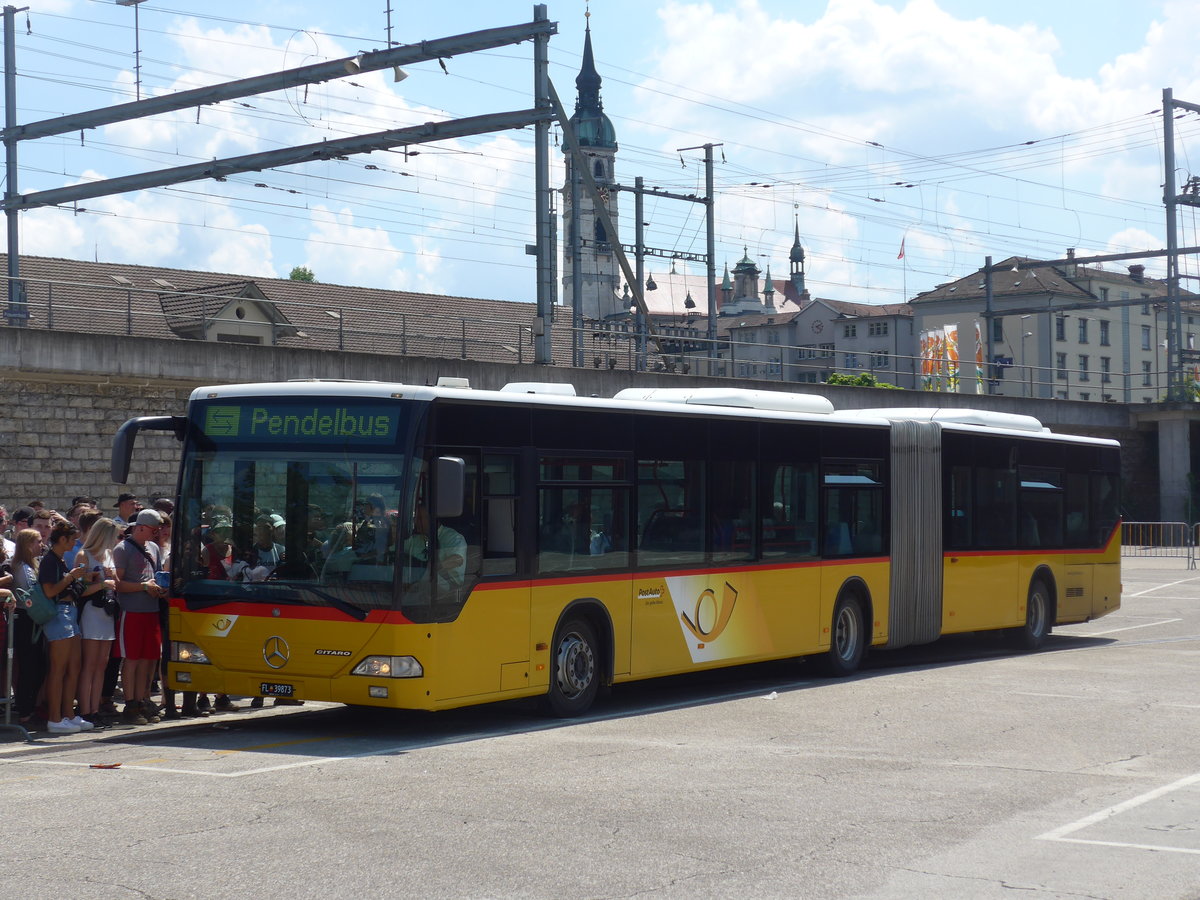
x=847 y=640
x=1032 y=635
x=575 y=673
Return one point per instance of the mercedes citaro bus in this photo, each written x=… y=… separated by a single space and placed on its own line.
x=432 y=547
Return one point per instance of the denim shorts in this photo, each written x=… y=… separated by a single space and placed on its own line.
x=65 y=623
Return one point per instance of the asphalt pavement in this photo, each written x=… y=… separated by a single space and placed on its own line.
x=955 y=770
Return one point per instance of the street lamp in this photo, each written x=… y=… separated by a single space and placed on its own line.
x=1025 y=368
x=1027 y=375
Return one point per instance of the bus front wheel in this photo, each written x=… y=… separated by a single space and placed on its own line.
x=1033 y=633
x=847 y=642
x=575 y=676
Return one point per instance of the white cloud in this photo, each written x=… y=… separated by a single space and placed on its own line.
x=341 y=252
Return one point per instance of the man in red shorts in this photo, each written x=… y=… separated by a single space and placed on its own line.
x=139 y=637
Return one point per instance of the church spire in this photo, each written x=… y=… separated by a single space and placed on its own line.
x=587 y=82
x=591 y=124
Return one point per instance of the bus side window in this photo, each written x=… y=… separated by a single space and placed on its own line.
x=500 y=514
x=789 y=510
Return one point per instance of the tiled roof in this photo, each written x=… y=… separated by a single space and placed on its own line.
x=1036 y=280
x=148 y=301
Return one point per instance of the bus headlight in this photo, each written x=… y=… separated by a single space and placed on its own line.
x=389 y=667
x=182 y=651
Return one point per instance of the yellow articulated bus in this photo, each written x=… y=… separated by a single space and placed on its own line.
x=434 y=547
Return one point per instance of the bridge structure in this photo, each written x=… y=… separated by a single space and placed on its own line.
x=67 y=392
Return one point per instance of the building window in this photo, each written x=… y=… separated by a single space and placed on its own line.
x=850 y=331
x=1060 y=364
x=998 y=330
x=1085 y=396
x=826 y=351
x=1062 y=395
x=772 y=336
x=1060 y=328
x=1083 y=367
x=1105 y=369
x=1103 y=295
x=1083 y=330
x=851 y=360
x=598 y=169
x=1103 y=332
x=1146 y=373
x=879 y=359
x=1145 y=337
x=877 y=329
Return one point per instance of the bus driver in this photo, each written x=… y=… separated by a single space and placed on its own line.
x=451 y=553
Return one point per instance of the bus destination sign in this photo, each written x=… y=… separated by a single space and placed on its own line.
x=320 y=423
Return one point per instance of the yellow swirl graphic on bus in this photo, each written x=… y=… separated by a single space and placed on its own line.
x=709 y=611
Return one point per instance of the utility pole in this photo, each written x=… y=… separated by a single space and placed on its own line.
x=542 y=348
x=987 y=323
x=576 y=270
x=17 y=312
x=639 y=271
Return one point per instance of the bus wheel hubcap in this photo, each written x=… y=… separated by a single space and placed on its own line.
x=576 y=665
x=847 y=633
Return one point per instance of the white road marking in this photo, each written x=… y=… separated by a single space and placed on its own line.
x=415 y=744
x=1131 y=627
x=1159 y=587
x=1060 y=834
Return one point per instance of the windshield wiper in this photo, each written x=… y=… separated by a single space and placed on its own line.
x=332 y=599
x=261 y=590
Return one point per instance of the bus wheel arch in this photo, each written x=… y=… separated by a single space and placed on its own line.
x=1041 y=607
x=581 y=659
x=850 y=630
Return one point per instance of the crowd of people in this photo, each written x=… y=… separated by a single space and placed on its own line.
x=105 y=643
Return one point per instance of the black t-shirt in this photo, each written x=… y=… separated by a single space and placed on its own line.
x=52 y=570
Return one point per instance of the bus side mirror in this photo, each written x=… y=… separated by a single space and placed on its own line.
x=450 y=479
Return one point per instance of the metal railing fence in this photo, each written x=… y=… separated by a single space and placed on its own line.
x=1160 y=540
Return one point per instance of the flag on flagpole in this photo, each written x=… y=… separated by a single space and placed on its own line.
x=900 y=255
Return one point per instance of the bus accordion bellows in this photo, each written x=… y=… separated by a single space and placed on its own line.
x=433 y=547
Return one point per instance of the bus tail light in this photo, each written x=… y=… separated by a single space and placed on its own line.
x=389 y=667
x=182 y=651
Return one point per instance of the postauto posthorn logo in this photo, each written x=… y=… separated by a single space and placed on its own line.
x=223 y=421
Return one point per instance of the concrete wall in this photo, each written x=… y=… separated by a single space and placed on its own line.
x=68 y=393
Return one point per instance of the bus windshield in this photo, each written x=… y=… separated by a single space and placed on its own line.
x=275 y=517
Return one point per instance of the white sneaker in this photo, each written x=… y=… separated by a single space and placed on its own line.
x=81 y=723
x=66 y=726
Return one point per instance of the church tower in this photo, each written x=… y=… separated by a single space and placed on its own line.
x=598 y=141
x=796 y=257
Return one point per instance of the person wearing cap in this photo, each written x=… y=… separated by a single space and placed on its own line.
x=127 y=506
x=139 y=636
x=266 y=550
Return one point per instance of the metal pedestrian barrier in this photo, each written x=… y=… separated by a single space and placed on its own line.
x=1160 y=539
x=9 y=730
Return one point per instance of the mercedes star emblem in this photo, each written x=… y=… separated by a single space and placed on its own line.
x=275 y=652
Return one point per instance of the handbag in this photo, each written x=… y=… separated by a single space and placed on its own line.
x=40 y=608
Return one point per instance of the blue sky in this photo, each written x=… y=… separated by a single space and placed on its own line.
x=960 y=128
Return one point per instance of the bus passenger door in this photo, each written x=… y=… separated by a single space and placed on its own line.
x=480 y=622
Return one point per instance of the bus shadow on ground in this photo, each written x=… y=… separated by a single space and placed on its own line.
x=344 y=731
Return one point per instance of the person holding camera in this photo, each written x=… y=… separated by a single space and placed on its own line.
x=139 y=636
x=63 y=586
x=97 y=617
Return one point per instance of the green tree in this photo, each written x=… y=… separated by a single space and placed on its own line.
x=865 y=379
x=303 y=273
